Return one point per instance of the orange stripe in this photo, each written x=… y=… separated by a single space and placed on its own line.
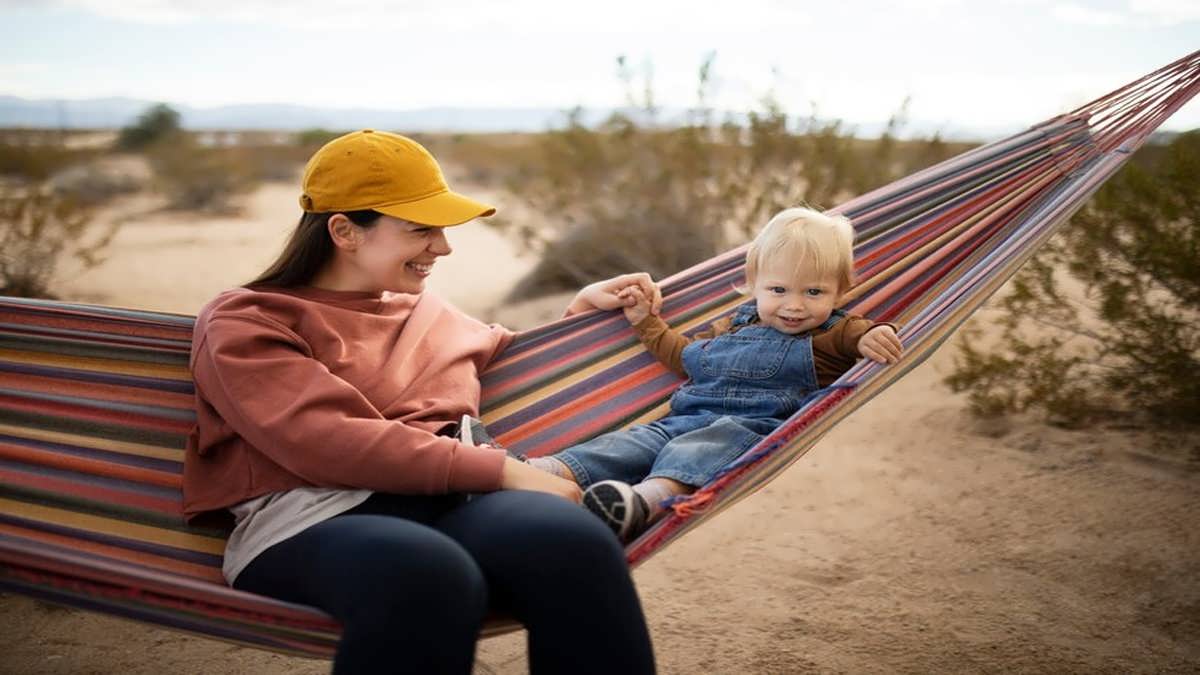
x=167 y=371
x=93 y=442
x=100 y=390
x=183 y=568
x=79 y=412
x=594 y=398
x=115 y=527
x=91 y=467
x=99 y=328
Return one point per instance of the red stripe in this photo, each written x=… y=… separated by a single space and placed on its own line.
x=206 y=573
x=99 y=390
x=91 y=414
x=596 y=425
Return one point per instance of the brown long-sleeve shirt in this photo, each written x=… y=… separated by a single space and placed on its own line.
x=834 y=350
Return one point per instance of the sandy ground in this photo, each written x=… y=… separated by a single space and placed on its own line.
x=911 y=539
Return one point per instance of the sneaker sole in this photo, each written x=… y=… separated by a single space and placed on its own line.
x=609 y=503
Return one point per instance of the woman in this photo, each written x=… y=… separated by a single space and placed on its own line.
x=326 y=394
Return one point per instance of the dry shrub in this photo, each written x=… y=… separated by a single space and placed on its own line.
x=37 y=228
x=34 y=155
x=93 y=184
x=198 y=178
x=635 y=193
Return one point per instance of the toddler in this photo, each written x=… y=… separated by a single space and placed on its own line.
x=746 y=374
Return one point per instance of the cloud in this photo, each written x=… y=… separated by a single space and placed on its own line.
x=454 y=15
x=1088 y=16
x=1166 y=12
x=1145 y=13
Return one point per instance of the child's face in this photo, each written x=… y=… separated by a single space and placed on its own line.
x=792 y=303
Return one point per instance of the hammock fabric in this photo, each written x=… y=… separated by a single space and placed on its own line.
x=95 y=402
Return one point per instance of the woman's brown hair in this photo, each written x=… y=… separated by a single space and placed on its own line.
x=308 y=249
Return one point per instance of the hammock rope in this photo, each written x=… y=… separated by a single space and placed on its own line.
x=96 y=402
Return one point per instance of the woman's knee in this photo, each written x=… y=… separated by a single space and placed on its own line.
x=562 y=537
x=391 y=566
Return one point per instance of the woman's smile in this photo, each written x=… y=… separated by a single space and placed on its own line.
x=420 y=269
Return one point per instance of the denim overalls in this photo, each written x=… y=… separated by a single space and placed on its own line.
x=742 y=385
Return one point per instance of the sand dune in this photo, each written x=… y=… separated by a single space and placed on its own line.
x=906 y=541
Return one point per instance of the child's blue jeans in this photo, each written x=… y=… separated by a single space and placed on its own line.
x=688 y=448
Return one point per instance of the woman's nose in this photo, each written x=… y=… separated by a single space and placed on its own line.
x=438 y=244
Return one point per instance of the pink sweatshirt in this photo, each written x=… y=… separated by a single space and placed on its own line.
x=304 y=387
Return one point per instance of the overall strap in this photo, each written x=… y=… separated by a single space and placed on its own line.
x=745 y=313
x=835 y=317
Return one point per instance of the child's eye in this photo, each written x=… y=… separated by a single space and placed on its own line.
x=777 y=290
x=814 y=292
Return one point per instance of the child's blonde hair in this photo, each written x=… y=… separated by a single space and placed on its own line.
x=813 y=241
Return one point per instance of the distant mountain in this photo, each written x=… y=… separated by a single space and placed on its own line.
x=118 y=112
x=113 y=113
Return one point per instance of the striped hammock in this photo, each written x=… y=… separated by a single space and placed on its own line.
x=95 y=402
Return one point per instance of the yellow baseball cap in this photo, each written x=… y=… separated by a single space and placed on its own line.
x=384 y=172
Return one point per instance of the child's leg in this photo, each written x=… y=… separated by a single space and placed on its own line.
x=553 y=466
x=684 y=463
x=694 y=458
x=658 y=490
x=625 y=456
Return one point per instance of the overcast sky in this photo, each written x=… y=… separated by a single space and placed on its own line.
x=965 y=64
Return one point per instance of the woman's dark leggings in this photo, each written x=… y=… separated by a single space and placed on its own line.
x=411 y=577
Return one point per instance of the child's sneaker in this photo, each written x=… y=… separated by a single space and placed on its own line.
x=471 y=431
x=622 y=509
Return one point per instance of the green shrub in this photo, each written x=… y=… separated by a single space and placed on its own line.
x=1104 y=323
x=153 y=125
x=311 y=139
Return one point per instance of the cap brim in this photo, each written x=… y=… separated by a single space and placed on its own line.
x=440 y=210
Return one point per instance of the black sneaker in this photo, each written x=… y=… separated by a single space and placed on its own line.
x=622 y=509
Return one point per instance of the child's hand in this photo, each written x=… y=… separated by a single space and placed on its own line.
x=636 y=312
x=880 y=344
x=605 y=294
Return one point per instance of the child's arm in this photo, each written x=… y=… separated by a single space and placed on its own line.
x=606 y=294
x=666 y=343
x=836 y=350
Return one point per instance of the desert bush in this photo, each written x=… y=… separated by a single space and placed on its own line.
x=638 y=193
x=37 y=228
x=32 y=156
x=268 y=162
x=1104 y=322
x=152 y=126
x=199 y=178
x=311 y=139
x=93 y=184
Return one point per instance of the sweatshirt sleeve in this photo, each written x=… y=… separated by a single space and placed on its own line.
x=263 y=382
x=843 y=338
x=666 y=343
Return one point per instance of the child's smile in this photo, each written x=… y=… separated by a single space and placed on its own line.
x=792 y=303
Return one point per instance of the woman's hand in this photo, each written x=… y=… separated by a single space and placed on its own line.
x=880 y=344
x=640 y=309
x=607 y=294
x=517 y=475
